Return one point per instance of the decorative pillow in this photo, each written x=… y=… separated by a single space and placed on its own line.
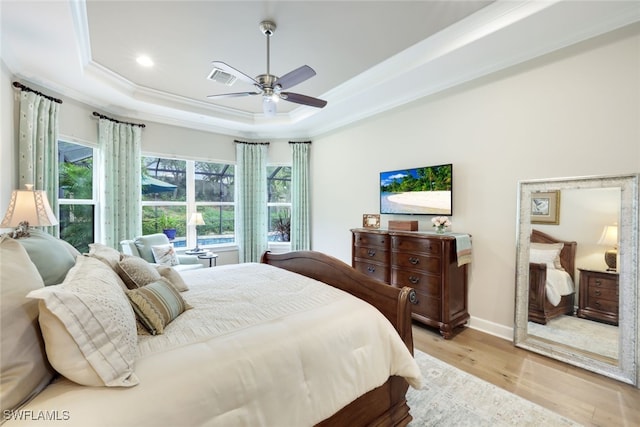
x=136 y=272
x=165 y=254
x=93 y=342
x=546 y=253
x=172 y=276
x=73 y=251
x=105 y=254
x=24 y=369
x=157 y=304
x=50 y=255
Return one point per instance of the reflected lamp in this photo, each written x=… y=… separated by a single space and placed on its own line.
x=609 y=238
x=196 y=220
x=28 y=208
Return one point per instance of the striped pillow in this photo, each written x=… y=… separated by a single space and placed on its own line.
x=157 y=304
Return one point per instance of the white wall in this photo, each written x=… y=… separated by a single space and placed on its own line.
x=8 y=153
x=571 y=113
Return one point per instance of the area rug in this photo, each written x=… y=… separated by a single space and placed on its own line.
x=452 y=398
x=582 y=334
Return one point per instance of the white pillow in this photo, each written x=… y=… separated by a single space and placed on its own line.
x=165 y=255
x=546 y=253
x=89 y=309
x=24 y=369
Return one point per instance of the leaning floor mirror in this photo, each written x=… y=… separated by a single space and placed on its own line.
x=577 y=297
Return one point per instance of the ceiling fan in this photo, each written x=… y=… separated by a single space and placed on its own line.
x=269 y=86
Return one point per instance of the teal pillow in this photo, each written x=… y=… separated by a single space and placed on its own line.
x=144 y=243
x=50 y=255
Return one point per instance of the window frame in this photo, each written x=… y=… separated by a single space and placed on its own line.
x=190 y=203
x=95 y=185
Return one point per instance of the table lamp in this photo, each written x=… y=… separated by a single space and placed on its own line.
x=28 y=208
x=610 y=238
x=196 y=219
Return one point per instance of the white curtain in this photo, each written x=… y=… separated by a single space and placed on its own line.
x=38 y=147
x=121 y=210
x=300 y=197
x=251 y=203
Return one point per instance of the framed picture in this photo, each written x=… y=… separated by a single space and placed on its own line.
x=545 y=208
x=371 y=221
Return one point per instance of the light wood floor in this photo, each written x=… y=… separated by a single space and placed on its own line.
x=587 y=398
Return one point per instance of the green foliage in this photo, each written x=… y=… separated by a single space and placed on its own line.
x=76 y=180
x=435 y=178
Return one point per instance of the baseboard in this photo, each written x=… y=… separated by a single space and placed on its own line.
x=491 y=328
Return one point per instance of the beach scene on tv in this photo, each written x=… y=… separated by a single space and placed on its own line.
x=424 y=190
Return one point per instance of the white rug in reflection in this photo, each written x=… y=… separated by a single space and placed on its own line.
x=582 y=334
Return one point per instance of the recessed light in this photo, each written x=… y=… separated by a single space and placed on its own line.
x=144 y=60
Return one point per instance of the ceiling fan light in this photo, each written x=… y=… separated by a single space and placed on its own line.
x=269 y=107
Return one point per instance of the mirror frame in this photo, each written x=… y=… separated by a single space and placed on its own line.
x=629 y=343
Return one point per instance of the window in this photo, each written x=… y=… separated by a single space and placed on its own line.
x=76 y=195
x=174 y=189
x=279 y=203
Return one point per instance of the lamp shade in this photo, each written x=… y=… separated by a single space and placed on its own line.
x=196 y=219
x=31 y=206
x=609 y=236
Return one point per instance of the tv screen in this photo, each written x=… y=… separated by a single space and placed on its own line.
x=418 y=191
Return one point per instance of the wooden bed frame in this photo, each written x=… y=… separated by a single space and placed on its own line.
x=385 y=405
x=540 y=309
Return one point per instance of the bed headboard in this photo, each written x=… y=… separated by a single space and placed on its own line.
x=567 y=254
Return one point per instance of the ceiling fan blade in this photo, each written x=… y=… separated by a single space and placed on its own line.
x=303 y=99
x=239 y=74
x=233 y=95
x=295 y=77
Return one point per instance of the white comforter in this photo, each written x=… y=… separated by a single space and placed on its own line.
x=261 y=347
x=558 y=284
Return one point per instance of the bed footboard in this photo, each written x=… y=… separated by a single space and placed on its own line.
x=385 y=405
x=393 y=303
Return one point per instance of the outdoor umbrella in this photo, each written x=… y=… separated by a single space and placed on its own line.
x=152 y=185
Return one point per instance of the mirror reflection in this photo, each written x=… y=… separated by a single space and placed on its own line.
x=577 y=260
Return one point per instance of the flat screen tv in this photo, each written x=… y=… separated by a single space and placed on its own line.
x=417 y=191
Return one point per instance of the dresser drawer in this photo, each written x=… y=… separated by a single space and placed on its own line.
x=408 y=244
x=610 y=294
x=599 y=282
x=371 y=253
x=425 y=283
x=371 y=239
x=427 y=264
x=603 y=305
x=427 y=306
x=375 y=271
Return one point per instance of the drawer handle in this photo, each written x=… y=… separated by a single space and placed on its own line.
x=413 y=297
x=371 y=269
x=597 y=292
x=598 y=282
x=414 y=280
x=413 y=260
x=597 y=303
x=371 y=252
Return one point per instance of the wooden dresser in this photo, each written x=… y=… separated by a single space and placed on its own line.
x=598 y=296
x=427 y=262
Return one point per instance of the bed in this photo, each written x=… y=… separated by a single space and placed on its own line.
x=255 y=344
x=551 y=258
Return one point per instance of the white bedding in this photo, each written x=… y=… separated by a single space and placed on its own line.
x=261 y=347
x=558 y=284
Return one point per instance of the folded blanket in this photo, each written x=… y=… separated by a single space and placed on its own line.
x=463 y=248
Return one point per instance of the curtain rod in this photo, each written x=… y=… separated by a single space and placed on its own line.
x=299 y=142
x=28 y=89
x=245 y=142
x=102 y=116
